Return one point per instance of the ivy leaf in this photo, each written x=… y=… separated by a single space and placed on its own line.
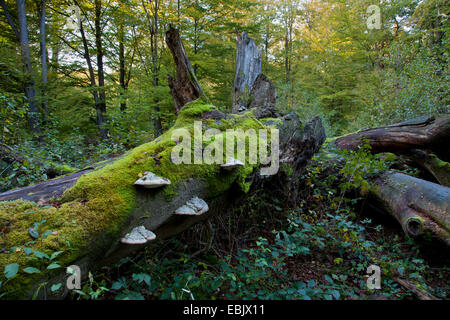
x=56 y=287
x=31 y=270
x=55 y=254
x=53 y=266
x=40 y=255
x=11 y=270
x=33 y=232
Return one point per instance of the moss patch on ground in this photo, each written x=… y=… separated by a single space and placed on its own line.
x=93 y=212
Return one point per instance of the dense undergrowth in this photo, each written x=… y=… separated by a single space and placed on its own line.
x=318 y=247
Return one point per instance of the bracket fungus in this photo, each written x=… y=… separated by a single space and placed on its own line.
x=151 y=181
x=138 y=235
x=232 y=164
x=193 y=207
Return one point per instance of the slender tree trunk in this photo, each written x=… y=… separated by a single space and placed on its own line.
x=154 y=30
x=100 y=69
x=43 y=58
x=29 y=84
x=87 y=57
x=122 y=71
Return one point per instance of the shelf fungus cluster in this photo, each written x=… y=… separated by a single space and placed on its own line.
x=193 y=207
x=232 y=164
x=138 y=235
x=152 y=181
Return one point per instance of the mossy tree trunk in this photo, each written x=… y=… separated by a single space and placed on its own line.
x=91 y=210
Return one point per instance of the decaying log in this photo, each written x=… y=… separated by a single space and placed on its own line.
x=248 y=68
x=429 y=162
x=421 y=207
x=419 y=293
x=51 y=189
x=151 y=208
x=185 y=87
x=429 y=133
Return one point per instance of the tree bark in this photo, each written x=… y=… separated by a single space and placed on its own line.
x=43 y=36
x=439 y=169
x=421 y=207
x=122 y=70
x=100 y=69
x=429 y=133
x=29 y=84
x=153 y=22
x=185 y=87
x=93 y=85
x=248 y=68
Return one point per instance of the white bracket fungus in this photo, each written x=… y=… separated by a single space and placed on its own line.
x=193 y=207
x=138 y=235
x=232 y=164
x=151 y=181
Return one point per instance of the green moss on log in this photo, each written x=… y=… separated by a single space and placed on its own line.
x=92 y=213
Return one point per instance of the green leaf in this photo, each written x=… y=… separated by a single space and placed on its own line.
x=11 y=270
x=46 y=234
x=56 y=287
x=40 y=255
x=142 y=277
x=31 y=270
x=336 y=294
x=53 y=266
x=33 y=232
x=55 y=254
x=116 y=285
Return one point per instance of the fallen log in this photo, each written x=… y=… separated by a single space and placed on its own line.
x=100 y=207
x=429 y=162
x=421 y=207
x=419 y=293
x=429 y=133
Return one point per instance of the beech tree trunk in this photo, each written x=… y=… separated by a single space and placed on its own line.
x=43 y=36
x=101 y=106
x=185 y=87
x=29 y=83
x=421 y=207
x=429 y=133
